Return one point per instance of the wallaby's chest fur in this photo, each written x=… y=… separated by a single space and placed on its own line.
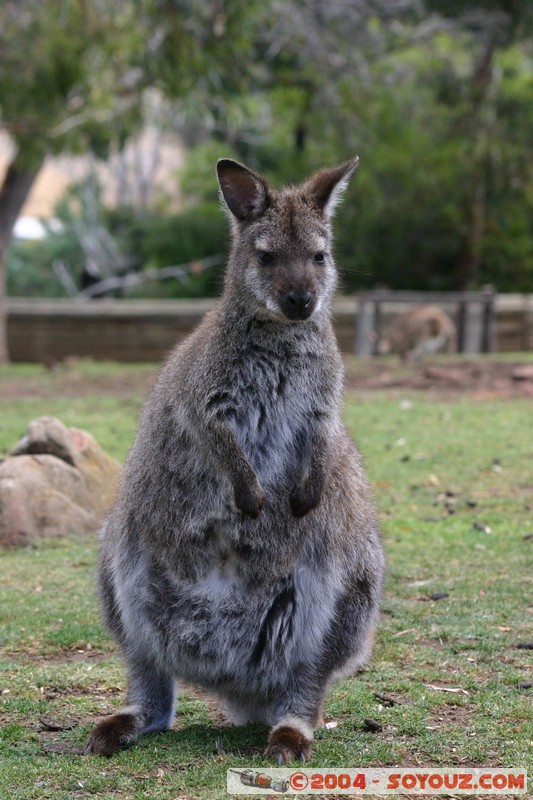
x=222 y=572
x=268 y=386
x=272 y=386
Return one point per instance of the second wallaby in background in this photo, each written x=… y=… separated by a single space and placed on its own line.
x=417 y=332
x=243 y=553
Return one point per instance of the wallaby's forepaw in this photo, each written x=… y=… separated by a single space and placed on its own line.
x=287 y=744
x=304 y=498
x=110 y=734
x=249 y=499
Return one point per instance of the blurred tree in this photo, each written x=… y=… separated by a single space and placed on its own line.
x=445 y=189
x=486 y=86
x=284 y=77
x=72 y=74
x=437 y=99
x=67 y=80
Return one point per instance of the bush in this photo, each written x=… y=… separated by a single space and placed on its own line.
x=153 y=241
x=29 y=265
x=182 y=238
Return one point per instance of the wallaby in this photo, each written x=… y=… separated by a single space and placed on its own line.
x=426 y=329
x=243 y=553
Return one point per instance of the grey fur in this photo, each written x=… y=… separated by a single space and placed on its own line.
x=242 y=553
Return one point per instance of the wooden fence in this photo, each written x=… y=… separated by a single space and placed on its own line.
x=136 y=330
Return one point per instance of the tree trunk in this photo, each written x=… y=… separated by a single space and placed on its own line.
x=470 y=261
x=19 y=178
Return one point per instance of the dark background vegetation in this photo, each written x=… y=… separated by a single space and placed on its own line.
x=436 y=98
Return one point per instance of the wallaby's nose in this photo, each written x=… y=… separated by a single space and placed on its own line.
x=298 y=304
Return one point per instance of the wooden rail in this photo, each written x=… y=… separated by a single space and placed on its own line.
x=47 y=331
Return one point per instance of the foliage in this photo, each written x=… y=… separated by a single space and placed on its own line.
x=183 y=238
x=424 y=457
x=113 y=241
x=444 y=193
x=438 y=107
x=68 y=79
x=436 y=99
x=73 y=87
x=29 y=272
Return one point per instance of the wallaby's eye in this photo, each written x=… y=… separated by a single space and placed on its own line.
x=320 y=258
x=265 y=258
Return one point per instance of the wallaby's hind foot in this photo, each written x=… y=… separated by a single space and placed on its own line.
x=151 y=697
x=290 y=741
x=113 y=732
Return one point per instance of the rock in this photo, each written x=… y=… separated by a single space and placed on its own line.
x=447 y=375
x=46 y=435
x=524 y=373
x=56 y=482
x=99 y=470
x=372 y=725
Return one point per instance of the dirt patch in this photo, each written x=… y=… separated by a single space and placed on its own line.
x=59 y=746
x=71 y=378
x=77 y=690
x=482 y=376
x=63 y=656
x=214 y=707
x=456 y=714
x=67 y=656
x=436 y=644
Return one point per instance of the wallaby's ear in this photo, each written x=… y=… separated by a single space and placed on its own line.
x=246 y=192
x=325 y=187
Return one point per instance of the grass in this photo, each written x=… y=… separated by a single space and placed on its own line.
x=454 y=484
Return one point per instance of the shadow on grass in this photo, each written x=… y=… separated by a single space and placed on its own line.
x=204 y=740
x=193 y=743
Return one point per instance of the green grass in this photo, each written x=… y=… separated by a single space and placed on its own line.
x=438 y=468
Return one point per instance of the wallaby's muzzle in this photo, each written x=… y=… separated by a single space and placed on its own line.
x=298 y=304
